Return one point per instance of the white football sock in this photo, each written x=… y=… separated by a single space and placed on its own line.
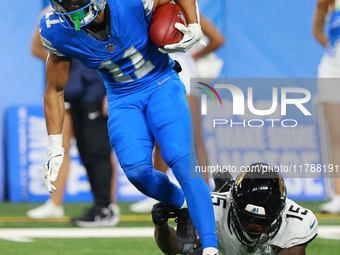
x=210 y=251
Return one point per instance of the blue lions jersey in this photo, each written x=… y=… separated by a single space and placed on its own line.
x=127 y=61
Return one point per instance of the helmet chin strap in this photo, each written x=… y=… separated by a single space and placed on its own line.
x=77 y=17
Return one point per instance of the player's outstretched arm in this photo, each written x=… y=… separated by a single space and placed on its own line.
x=166 y=239
x=165 y=235
x=295 y=250
x=57 y=75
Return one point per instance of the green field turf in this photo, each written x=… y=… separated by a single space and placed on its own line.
x=9 y=211
x=323 y=247
x=129 y=246
x=77 y=246
x=14 y=216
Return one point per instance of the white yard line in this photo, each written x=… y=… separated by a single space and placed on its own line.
x=329 y=232
x=27 y=234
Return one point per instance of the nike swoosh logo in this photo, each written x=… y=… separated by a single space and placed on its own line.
x=94 y=115
x=161 y=82
x=311 y=226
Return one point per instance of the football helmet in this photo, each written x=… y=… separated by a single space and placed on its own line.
x=258 y=197
x=75 y=14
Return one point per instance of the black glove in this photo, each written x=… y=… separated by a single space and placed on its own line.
x=161 y=213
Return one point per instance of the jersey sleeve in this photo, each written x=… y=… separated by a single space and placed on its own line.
x=299 y=226
x=48 y=45
x=47 y=26
x=148 y=6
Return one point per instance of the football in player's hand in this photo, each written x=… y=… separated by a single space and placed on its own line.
x=162 y=29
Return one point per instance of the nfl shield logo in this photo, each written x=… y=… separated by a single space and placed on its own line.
x=110 y=47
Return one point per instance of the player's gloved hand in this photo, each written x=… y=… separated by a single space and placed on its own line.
x=55 y=159
x=161 y=213
x=192 y=34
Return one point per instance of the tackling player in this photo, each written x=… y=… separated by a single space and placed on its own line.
x=254 y=217
x=146 y=99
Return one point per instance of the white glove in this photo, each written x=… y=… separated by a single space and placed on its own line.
x=191 y=34
x=51 y=167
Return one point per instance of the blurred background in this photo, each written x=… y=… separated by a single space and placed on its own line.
x=264 y=39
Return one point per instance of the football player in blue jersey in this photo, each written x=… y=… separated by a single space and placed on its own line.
x=146 y=99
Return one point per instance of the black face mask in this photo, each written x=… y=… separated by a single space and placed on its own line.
x=270 y=226
x=251 y=219
x=73 y=5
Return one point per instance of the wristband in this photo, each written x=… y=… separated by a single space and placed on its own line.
x=55 y=140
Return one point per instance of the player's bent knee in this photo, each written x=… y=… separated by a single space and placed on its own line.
x=138 y=175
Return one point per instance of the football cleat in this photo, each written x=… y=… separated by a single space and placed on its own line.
x=161 y=213
x=186 y=232
x=98 y=216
